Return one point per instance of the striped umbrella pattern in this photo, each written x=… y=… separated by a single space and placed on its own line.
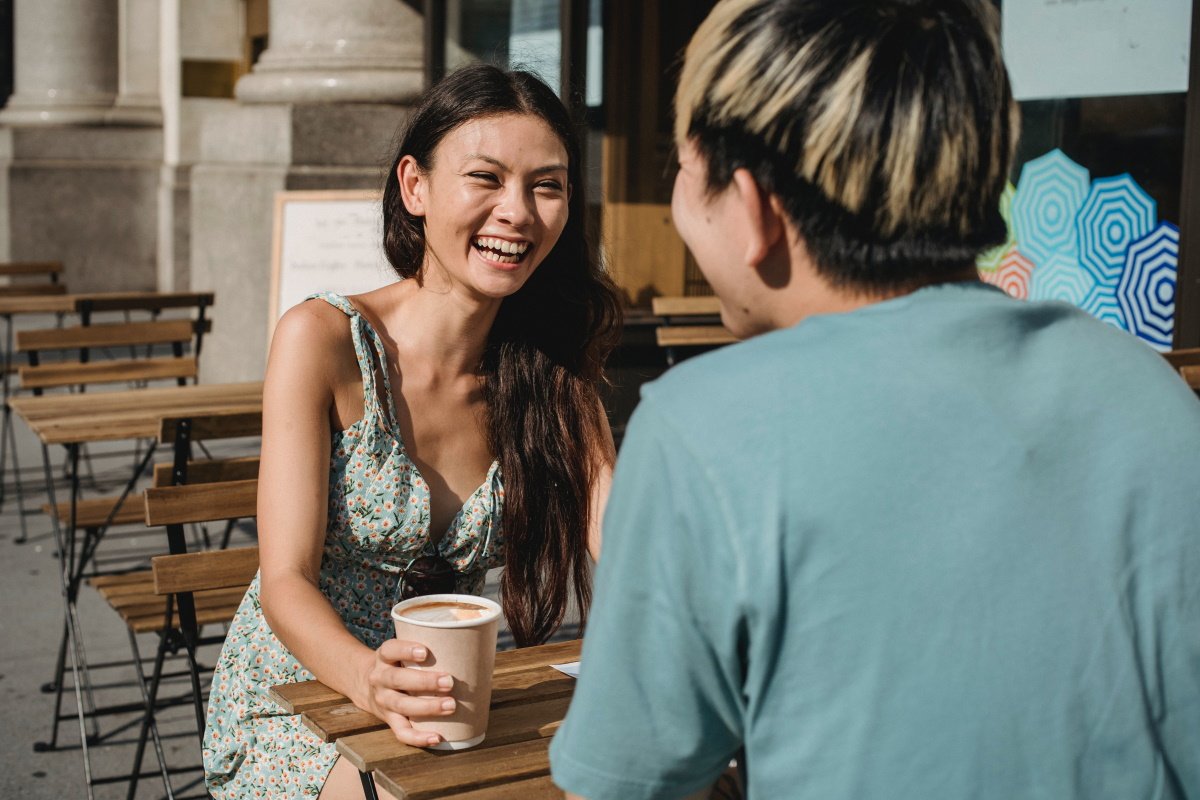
x=1051 y=190
x=1116 y=213
x=1061 y=278
x=1146 y=292
x=1094 y=243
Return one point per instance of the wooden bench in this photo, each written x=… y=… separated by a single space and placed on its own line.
x=689 y=322
x=50 y=270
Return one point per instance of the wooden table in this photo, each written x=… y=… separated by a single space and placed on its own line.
x=73 y=420
x=68 y=419
x=84 y=304
x=529 y=701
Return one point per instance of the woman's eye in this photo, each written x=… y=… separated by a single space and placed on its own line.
x=553 y=186
x=483 y=176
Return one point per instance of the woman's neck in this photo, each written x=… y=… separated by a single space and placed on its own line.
x=439 y=326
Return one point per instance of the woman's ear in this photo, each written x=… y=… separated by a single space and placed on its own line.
x=764 y=227
x=412 y=185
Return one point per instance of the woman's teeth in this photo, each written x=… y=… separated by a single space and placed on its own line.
x=500 y=250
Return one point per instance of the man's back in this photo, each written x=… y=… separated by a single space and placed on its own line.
x=942 y=546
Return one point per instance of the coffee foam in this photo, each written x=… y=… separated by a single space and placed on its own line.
x=443 y=611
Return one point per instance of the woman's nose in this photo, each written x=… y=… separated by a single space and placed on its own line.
x=516 y=207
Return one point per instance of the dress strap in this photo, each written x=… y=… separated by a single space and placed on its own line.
x=372 y=358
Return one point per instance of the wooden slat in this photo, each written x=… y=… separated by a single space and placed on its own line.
x=693 y=335
x=685 y=306
x=1192 y=376
x=519 y=720
x=36 y=304
x=212 y=569
x=31 y=268
x=539 y=788
x=378 y=749
x=140 y=604
x=524 y=658
x=32 y=289
x=216 y=425
x=113 y=334
x=142 y=301
x=331 y=723
x=1183 y=358
x=71 y=373
x=112 y=416
x=120 y=579
x=204 y=616
x=525 y=686
x=92 y=512
x=470 y=770
x=514 y=671
x=297 y=698
x=205 y=502
x=211 y=470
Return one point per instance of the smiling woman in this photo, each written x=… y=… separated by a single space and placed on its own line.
x=498 y=190
x=452 y=426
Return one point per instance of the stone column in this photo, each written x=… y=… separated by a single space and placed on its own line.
x=65 y=62
x=366 y=51
x=319 y=111
x=138 y=93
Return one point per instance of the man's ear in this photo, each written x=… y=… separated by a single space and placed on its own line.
x=412 y=185
x=765 y=226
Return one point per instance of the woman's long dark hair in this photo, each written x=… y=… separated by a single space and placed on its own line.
x=543 y=363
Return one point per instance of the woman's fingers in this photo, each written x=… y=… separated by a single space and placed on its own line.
x=409 y=706
x=406 y=733
x=414 y=681
x=396 y=650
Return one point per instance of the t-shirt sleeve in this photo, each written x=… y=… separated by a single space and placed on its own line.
x=657 y=712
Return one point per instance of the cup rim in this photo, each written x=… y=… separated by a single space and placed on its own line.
x=490 y=605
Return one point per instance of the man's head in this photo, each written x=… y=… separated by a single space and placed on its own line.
x=884 y=128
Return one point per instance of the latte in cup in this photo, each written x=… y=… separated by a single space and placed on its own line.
x=445 y=611
x=459 y=633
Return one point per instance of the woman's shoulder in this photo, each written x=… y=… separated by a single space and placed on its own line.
x=314 y=331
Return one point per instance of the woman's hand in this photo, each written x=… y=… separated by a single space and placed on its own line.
x=391 y=686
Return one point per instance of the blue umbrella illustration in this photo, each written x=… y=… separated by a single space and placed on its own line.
x=1061 y=278
x=1146 y=291
x=1116 y=213
x=1049 y=194
x=1102 y=302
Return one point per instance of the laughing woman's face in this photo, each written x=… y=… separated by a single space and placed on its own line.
x=494 y=203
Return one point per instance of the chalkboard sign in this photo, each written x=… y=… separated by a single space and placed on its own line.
x=325 y=241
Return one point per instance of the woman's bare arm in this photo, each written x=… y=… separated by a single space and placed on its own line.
x=306 y=364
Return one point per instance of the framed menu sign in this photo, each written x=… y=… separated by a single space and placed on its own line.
x=325 y=241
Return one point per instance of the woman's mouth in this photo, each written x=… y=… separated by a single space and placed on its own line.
x=502 y=251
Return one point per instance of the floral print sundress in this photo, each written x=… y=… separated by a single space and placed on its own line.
x=378 y=521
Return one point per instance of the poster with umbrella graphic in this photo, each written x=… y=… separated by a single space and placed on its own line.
x=1094 y=243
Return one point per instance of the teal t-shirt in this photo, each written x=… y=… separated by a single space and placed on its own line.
x=944 y=546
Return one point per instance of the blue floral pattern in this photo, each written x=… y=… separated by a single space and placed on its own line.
x=378 y=521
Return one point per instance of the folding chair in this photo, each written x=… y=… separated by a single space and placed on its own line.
x=131 y=594
x=199 y=588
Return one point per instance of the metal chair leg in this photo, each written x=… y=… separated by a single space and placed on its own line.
x=149 y=726
x=55 y=687
x=9 y=442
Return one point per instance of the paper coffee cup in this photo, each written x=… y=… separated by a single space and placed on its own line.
x=459 y=631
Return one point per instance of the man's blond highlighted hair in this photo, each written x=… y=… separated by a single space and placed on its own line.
x=890 y=121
